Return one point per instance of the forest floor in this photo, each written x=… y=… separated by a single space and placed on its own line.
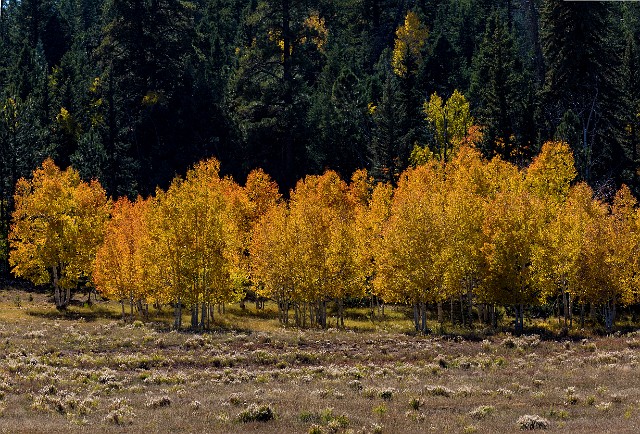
x=89 y=371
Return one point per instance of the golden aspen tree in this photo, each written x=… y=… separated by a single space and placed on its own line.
x=193 y=235
x=119 y=268
x=56 y=228
x=594 y=284
x=322 y=220
x=464 y=207
x=622 y=240
x=549 y=177
x=511 y=227
x=557 y=256
x=408 y=262
x=273 y=260
x=372 y=209
x=263 y=194
x=238 y=219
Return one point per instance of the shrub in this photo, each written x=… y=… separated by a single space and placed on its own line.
x=315 y=429
x=439 y=391
x=386 y=394
x=159 y=401
x=415 y=403
x=256 y=413
x=532 y=421
x=121 y=412
x=482 y=411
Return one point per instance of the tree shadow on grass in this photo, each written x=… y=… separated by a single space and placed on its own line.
x=89 y=313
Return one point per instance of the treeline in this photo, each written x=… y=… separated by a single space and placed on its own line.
x=466 y=230
x=131 y=92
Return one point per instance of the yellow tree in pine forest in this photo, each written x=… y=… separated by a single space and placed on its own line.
x=411 y=38
x=409 y=267
x=550 y=174
x=119 y=270
x=56 y=228
x=451 y=124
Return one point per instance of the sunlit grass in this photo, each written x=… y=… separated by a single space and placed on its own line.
x=87 y=369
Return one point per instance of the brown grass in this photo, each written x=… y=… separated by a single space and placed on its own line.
x=87 y=371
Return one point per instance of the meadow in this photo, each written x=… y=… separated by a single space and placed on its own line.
x=87 y=370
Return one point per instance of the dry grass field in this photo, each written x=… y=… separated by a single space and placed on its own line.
x=88 y=371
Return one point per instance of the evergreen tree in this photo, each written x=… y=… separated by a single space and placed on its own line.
x=583 y=78
x=499 y=89
x=277 y=62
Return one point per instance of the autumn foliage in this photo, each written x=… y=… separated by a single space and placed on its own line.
x=57 y=226
x=458 y=229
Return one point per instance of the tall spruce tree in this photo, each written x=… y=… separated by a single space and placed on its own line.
x=583 y=85
x=499 y=88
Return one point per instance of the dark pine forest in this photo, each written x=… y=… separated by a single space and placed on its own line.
x=133 y=92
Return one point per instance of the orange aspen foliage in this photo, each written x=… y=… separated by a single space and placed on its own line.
x=262 y=192
x=273 y=263
x=119 y=270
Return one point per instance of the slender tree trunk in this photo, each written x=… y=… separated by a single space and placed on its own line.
x=470 y=303
x=372 y=307
x=131 y=307
x=570 y=310
x=416 y=314
x=440 y=313
x=423 y=318
x=194 y=315
x=582 y=315
x=56 y=288
x=610 y=315
x=451 y=306
x=67 y=296
x=565 y=305
x=203 y=316
x=122 y=306
x=177 y=322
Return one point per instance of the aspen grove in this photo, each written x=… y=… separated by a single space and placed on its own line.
x=461 y=233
